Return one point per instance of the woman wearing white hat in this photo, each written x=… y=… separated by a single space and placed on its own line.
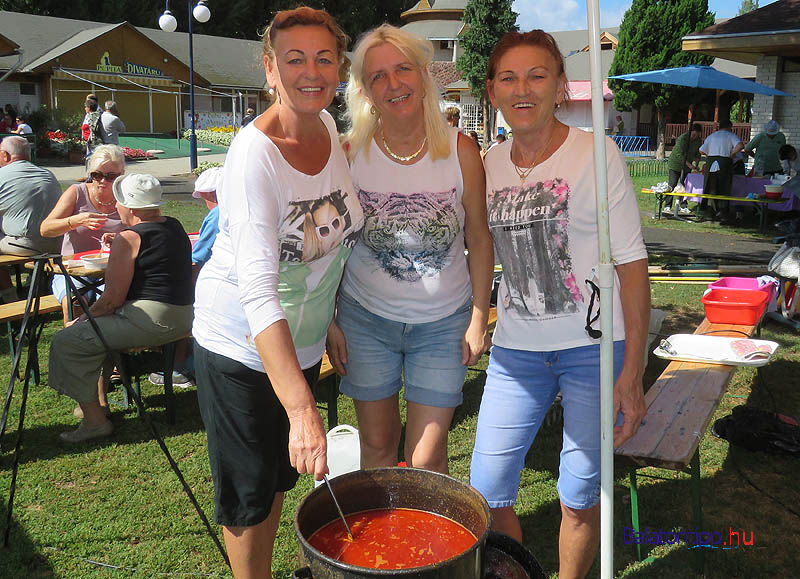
x=766 y=145
x=147 y=300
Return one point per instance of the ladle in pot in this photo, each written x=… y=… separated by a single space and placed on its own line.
x=338 y=508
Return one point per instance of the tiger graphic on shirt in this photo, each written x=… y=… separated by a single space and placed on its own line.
x=410 y=236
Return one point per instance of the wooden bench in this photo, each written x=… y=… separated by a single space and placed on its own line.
x=14 y=312
x=680 y=406
x=759 y=204
x=15 y=262
x=327 y=387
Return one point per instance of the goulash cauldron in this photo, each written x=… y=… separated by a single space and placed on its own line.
x=388 y=488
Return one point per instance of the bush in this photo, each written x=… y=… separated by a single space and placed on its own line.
x=210 y=136
x=206 y=165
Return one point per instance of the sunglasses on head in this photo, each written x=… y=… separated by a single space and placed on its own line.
x=99 y=175
x=325 y=230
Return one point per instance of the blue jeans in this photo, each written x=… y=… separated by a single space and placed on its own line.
x=520 y=388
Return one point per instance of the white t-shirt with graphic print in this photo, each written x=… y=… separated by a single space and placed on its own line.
x=409 y=264
x=283 y=240
x=545 y=236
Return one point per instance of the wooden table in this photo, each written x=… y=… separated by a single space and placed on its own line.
x=16 y=262
x=91 y=277
x=760 y=204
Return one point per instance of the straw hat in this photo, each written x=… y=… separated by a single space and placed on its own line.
x=138 y=191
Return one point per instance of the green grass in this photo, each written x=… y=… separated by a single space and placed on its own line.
x=117 y=502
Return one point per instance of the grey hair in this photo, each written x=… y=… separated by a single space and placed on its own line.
x=106 y=154
x=111 y=106
x=17 y=147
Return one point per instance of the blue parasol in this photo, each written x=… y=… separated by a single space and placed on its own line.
x=699 y=76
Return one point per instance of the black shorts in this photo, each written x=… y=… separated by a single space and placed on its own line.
x=248 y=437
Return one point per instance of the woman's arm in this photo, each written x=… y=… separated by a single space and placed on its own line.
x=307 y=443
x=62 y=220
x=634 y=284
x=253 y=205
x=119 y=275
x=479 y=243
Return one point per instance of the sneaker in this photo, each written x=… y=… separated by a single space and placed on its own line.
x=667 y=209
x=84 y=432
x=685 y=211
x=178 y=380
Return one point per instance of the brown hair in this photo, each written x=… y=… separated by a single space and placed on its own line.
x=303 y=16
x=511 y=40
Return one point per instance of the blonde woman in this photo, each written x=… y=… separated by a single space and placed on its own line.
x=412 y=308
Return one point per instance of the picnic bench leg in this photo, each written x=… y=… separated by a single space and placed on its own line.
x=658 y=201
x=698 y=509
x=637 y=547
x=762 y=218
x=169 y=366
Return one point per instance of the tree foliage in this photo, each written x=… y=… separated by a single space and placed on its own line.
x=747 y=6
x=650 y=39
x=233 y=18
x=487 y=21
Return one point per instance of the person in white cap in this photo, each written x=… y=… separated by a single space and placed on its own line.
x=147 y=300
x=205 y=188
x=766 y=145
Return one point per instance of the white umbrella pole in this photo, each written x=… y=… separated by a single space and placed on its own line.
x=606 y=279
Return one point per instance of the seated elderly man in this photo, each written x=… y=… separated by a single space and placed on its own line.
x=147 y=300
x=27 y=195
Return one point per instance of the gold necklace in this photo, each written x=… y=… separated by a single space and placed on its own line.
x=96 y=199
x=523 y=173
x=401 y=157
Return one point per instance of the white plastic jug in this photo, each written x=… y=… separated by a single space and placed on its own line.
x=344 y=451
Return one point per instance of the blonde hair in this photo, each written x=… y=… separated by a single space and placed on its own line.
x=362 y=123
x=106 y=154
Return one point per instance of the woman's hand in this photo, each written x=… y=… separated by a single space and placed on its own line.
x=475 y=342
x=106 y=239
x=336 y=347
x=80 y=318
x=307 y=443
x=91 y=221
x=629 y=400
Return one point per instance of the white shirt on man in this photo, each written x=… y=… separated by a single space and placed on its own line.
x=112 y=127
x=719 y=144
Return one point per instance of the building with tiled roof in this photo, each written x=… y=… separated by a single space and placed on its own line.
x=57 y=61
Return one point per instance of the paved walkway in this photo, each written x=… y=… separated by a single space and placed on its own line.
x=174 y=174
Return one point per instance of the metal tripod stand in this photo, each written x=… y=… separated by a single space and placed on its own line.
x=29 y=333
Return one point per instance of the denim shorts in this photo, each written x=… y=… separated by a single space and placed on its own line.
x=520 y=388
x=427 y=355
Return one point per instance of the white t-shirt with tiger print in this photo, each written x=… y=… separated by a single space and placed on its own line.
x=408 y=264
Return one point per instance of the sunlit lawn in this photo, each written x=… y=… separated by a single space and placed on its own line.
x=116 y=502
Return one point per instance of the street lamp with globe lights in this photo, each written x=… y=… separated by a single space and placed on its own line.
x=168 y=23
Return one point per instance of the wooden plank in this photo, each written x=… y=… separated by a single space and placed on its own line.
x=680 y=406
x=16 y=310
x=6 y=260
x=736 y=270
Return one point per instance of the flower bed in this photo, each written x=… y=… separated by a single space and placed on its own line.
x=131 y=154
x=63 y=144
x=211 y=136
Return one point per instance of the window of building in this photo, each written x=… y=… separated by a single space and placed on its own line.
x=27 y=88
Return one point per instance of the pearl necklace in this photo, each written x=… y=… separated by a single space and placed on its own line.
x=401 y=158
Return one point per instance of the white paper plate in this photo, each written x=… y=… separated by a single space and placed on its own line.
x=715 y=350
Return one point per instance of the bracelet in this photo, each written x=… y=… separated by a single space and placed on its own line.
x=69 y=223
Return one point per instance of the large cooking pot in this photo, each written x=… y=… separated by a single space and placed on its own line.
x=394 y=487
